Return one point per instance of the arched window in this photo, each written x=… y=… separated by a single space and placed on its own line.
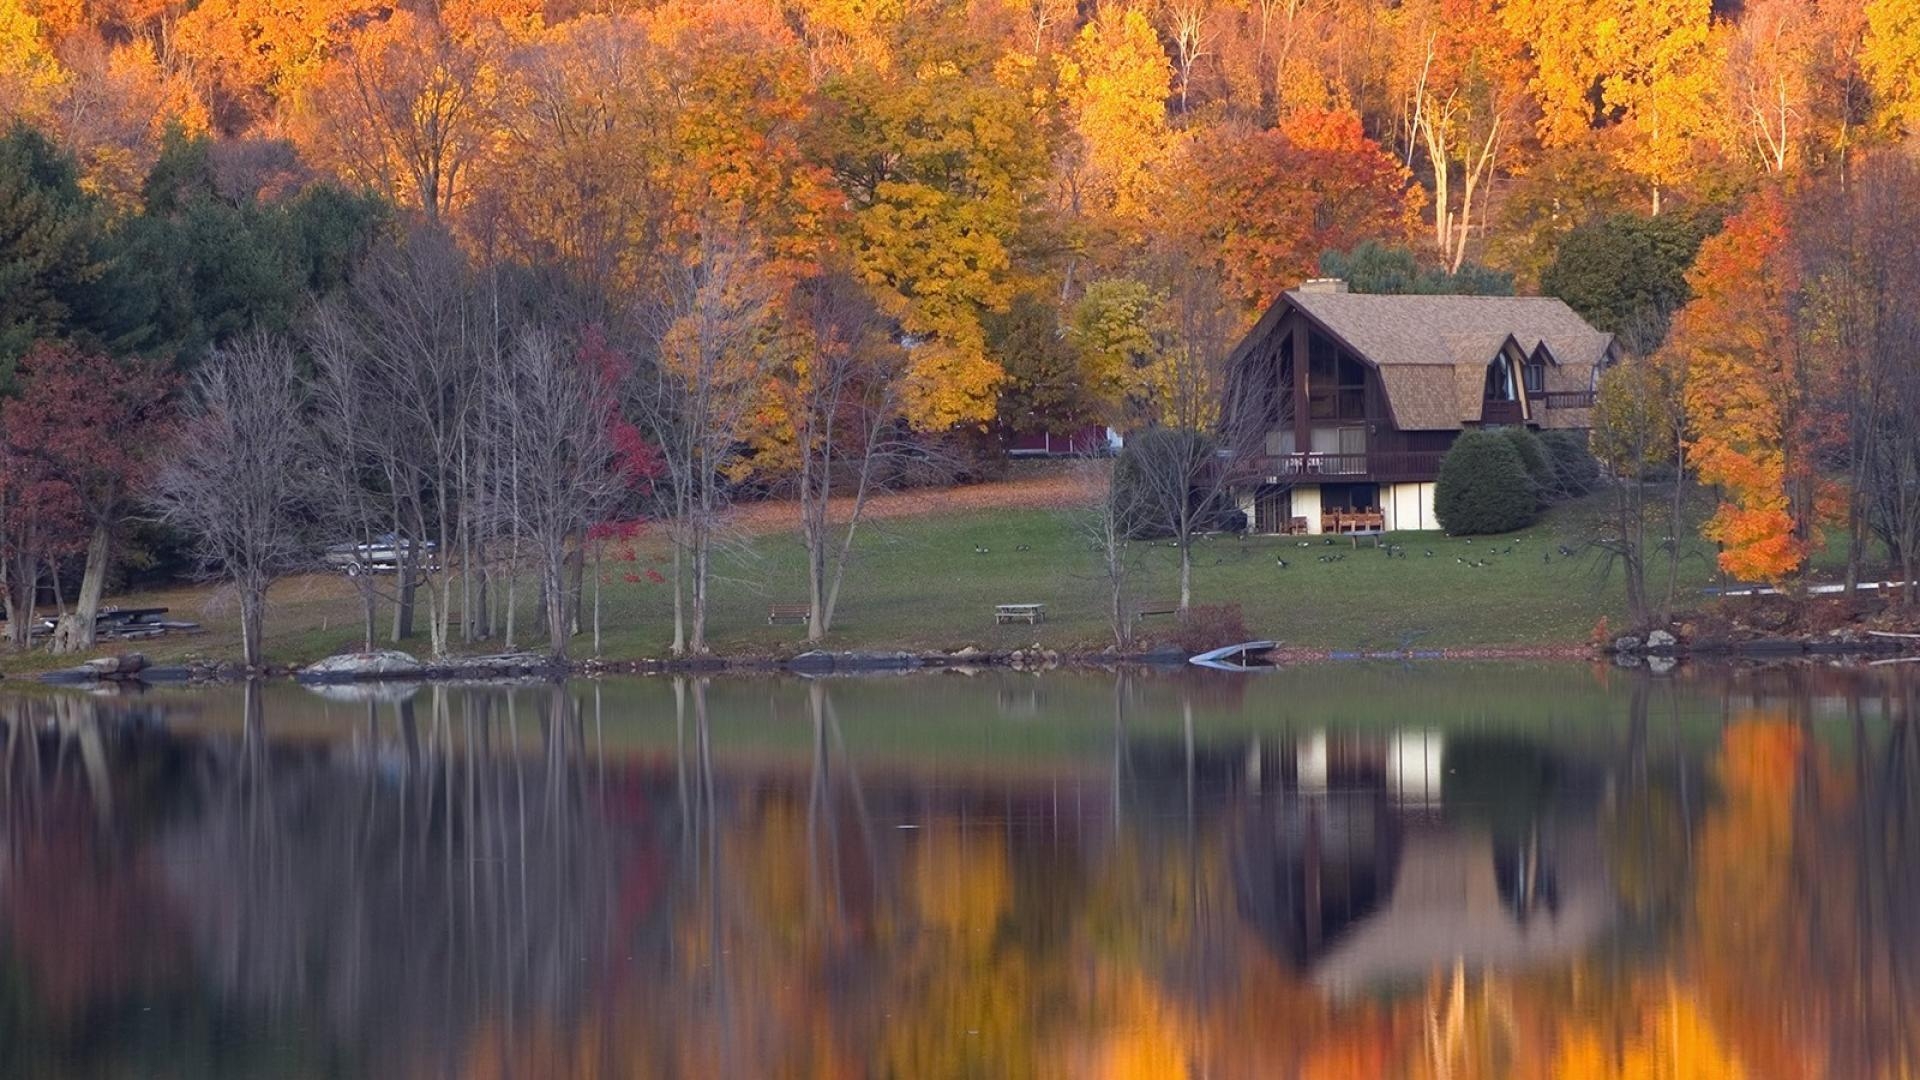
x=1500 y=380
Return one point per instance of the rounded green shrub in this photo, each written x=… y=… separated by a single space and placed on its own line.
x=1532 y=455
x=1484 y=486
x=1575 y=470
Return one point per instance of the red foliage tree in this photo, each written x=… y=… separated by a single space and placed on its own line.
x=87 y=428
x=39 y=521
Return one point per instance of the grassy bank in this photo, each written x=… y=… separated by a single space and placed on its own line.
x=918 y=582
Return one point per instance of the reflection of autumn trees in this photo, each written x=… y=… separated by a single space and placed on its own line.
x=468 y=885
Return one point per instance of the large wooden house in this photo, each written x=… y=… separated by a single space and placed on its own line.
x=1352 y=399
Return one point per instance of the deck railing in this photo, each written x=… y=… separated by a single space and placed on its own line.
x=1388 y=465
x=1569 y=399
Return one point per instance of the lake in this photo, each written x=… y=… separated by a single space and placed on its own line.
x=1352 y=870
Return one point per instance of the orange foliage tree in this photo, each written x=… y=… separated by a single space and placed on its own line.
x=1264 y=206
x=404 y=107
x=1746 y=393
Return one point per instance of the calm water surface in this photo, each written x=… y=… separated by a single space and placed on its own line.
x=1351 y=871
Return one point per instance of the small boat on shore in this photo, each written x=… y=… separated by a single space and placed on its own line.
x=1246 y=656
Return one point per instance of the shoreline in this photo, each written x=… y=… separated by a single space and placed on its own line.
x=400 y=667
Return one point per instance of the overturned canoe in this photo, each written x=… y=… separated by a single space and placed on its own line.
x=1241 y=657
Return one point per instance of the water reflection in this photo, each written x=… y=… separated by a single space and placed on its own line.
x=1449 y=871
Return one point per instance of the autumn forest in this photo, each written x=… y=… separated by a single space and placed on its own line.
x=747 y=244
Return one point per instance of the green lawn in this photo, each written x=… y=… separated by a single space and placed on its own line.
x=918 y=583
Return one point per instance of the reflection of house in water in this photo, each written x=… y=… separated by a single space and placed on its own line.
x=1368 y=860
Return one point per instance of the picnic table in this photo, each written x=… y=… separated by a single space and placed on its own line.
x=115 y=622
x=1027 y=613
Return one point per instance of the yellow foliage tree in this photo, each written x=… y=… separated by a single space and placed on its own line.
x=1891 y=56
x=1656 y=67
x=939 y=165
x=31 y=77
x=1116 y=79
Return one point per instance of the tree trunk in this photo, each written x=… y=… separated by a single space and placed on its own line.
x=403 y=607
x=701 y=552
x=21 y=581
x=553 y=588
x=253 y=607
x=1186 y=572
x=1677 y=508
x=76 y=630
x=577 y=589
x=468 y=628
x=1856 y=540
x=679 y=603
x=816 y=591
x=483 y=612
x=512 y=602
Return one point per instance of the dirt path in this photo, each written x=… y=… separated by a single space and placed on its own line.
x=1035 y=487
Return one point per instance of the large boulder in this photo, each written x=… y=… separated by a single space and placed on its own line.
x=379 y=664
x=126 y=664
x=1661 y=641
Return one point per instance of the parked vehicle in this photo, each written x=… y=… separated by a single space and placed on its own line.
x=380 y=555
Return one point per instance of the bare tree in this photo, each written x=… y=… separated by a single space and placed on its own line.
x=562 y=459
x=239 y=483
x=416 y=331
x=1179 y=470
x=1109 y=525
x=1860 y=275
x=350 y=417
x=842 y=396
x=1869 y=282
x=1639 y=436
x=1192 y=38
x=706 y=328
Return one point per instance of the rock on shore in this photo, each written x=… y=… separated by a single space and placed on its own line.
x=379 y=664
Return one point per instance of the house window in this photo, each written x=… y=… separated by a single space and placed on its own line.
x=1336 y=383
x=1536 y=376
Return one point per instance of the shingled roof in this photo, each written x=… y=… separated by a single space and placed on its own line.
x=1431 y=351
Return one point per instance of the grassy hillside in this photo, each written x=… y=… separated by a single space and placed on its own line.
x=918 y=582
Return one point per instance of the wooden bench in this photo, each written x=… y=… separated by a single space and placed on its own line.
x=1156 y=607
x=1026 y=613
x=797 y=613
